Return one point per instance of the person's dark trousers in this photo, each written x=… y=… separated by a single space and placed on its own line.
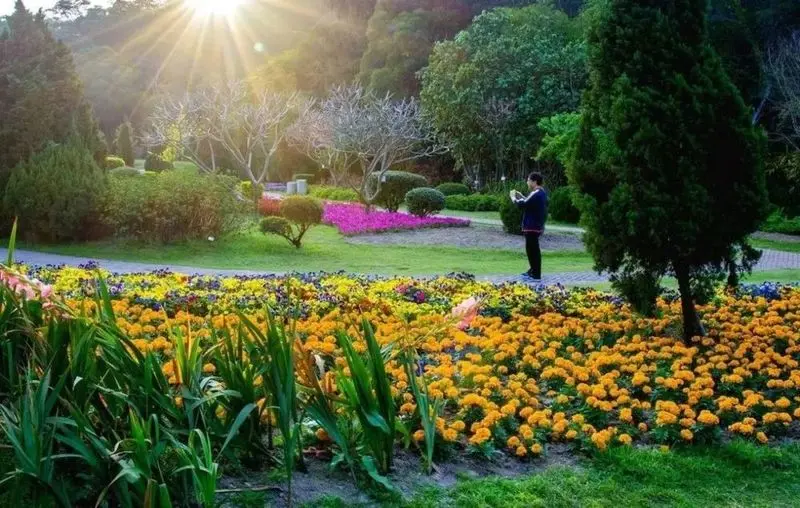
x=534 y=254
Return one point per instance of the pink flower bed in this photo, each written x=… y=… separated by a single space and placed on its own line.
x=352 y=219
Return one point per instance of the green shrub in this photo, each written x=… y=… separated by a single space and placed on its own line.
x=424 y=201
x=251 y=192
x=113 y=162
x=778 y=223
x=171 y=206
x=331 y=193
x=123 y=143
x=302 y=210
x=561 y=207
x=56 y=194
x=510 y=213
x=394 y=187
x=453 y=189
x=276 y=226
x=154 y=162
x=783 y=182
x=298 y=215
x=473 y=203
x=125 y=172
x=308 y=177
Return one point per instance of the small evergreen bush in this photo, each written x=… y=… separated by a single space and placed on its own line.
x=561 y=207
x=56 y=194
x=424 y=201
x=123 y=143
x=510 y=213
x=394 y=187
x=113 y=162
x=154 y=162
x=298 y=215
x=453 y=189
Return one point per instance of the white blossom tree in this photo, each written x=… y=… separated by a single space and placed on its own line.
x=354 y=131
x=248 y=127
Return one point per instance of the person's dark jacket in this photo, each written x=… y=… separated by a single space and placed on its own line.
x=534 y=211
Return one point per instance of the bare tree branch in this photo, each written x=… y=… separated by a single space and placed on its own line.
x=783 y=67
x=249 y=128
x=355 y=129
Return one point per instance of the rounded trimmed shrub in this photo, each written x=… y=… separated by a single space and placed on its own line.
x=424 y=201
x=510 y=213
x=561 y=206
x=113 y=162
x=303 y=210
x=56 y=194
x=453 y=189
x=154 y=162
x=473 y=203
x=276 y=226
x=394 y=187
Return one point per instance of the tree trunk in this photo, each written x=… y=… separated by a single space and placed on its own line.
x=733 y=274
x=691 y=321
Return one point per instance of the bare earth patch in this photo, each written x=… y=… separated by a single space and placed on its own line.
x=408 y=477
x=475 y=237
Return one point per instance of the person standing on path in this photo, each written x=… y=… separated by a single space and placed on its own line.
x=534 y=216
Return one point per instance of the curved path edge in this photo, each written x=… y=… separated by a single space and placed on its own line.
x=771 y=260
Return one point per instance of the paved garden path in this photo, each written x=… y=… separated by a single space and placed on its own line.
x=770 y=260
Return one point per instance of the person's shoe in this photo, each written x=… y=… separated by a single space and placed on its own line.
x=527 y=274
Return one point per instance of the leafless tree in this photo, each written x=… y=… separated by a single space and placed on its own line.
x=248 y=127
x=783 y=67
x=367 y=134
x=495 y=118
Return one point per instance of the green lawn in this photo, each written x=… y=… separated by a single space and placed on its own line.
x=324 y=250
x=733 y=475
x=775 y=245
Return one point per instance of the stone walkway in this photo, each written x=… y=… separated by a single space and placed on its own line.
x=770 y=260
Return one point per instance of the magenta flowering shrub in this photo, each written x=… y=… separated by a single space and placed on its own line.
x=353 y=219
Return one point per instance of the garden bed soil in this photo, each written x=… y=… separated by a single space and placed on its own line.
x=474 y=237
x=407 y=477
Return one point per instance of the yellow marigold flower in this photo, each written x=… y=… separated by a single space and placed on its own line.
x=536 y=448
x=625 y=439
x=209 y=368
x=687 y=434
x=419 y=435
x=762 y=437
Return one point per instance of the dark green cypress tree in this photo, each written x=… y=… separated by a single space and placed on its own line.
x=123 y=143
x=685 y=185
x=41 y=97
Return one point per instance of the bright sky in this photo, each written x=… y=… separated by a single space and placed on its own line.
x=7 y=6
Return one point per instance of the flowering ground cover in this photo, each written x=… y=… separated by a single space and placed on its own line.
x=536 y=366
x=353 y=219
x=454 y=367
